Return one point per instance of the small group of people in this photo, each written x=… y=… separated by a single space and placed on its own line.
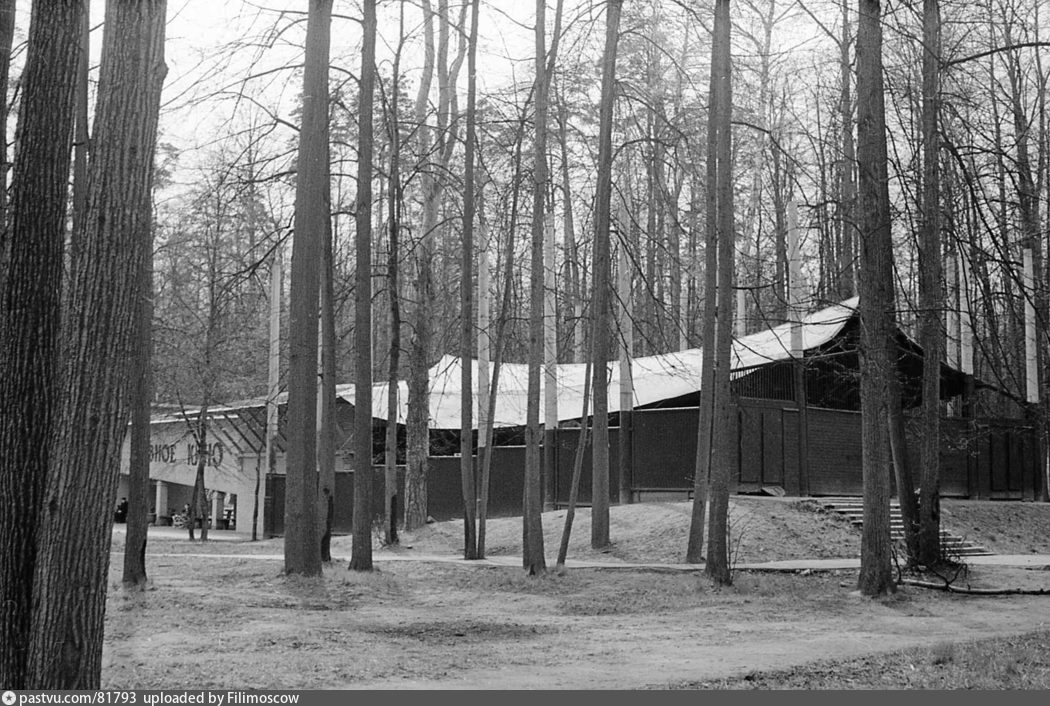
x=120 y=515
x=181 y=519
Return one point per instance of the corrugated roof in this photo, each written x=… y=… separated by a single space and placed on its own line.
x=656 y=377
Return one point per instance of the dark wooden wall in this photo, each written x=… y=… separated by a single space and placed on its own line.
x=988 y=459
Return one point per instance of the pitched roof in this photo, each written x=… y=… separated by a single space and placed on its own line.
x=656 y=377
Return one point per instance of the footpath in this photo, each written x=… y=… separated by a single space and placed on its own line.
x=1030 y=561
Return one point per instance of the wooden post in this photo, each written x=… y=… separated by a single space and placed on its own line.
x=626 y=438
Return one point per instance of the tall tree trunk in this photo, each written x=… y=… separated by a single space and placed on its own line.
x=721 y=439
x=101 y=305
x=301 y=540
x=702 y=473
x=532 y=525
x=577 y=471
x=572 y=257
x=550 y=364
x=931 y=300
x=273 y=383
x=199 y=503
x=31 y=273
x=545 y=186
x=764 y=150
x=81 y=135
x=1043 y=170
x=846 y=272
x=650 y=309
x=875 y=281
x=417 y=430
x=1039 y=253
x=501 y=326
x=780 y=268
x=693 y=262
x=7 y=34
x=395 y=193
x=361 y=558
x=902 y=469
x=1034 y=293
x=466 y=289
x=626 y=354
x=602 y=281
x=141 y=396
x=327 y=434
x=485 y=409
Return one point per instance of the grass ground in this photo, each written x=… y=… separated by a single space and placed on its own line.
x=223 y=615
x=1015 y=662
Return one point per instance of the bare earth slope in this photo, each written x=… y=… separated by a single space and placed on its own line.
x=1001 y=527
x=761 y=529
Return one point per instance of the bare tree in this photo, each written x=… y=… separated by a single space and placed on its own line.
x=500 y=344
x=602 y=282
x=577 y=471
x=875 y=280
x=532 y=523
x=361 y=557
x=81 y=133
x=326 y=423
x=273 y=381
x=301 y=544
x=902 y=467
x=101 y=308
x=139 y=458
x=199 y=499
x=417 y=424
x=395 y=194
x=31 y=273
x=931 y=300
x=845 y=272
x=544 y=215
x=7 y=35
x=722 y=185
x=705 y=430
x=466 y=450
x=435 y=149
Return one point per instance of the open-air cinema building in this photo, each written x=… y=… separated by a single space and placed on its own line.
x=796 y=421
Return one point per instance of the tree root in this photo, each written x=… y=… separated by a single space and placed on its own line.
x=977 y=591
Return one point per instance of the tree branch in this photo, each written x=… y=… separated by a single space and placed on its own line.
x=977 y=591
x=996 y=50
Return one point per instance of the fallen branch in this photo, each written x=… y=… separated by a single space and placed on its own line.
x=977 y=591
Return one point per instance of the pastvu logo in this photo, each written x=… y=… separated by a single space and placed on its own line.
x=9 y=698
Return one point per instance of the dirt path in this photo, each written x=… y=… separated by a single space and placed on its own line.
x=236 y=623
x=627 y=654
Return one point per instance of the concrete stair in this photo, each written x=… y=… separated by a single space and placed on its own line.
x=853 y=510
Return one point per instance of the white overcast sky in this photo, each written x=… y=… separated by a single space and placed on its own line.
x=200 y=32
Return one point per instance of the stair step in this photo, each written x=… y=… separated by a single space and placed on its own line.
x=853 y=510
